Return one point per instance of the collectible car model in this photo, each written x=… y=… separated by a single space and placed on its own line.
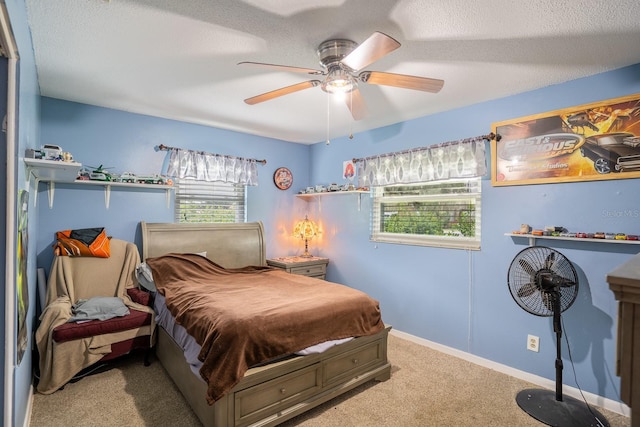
x=52 y=152
x=151 y=179
x=127 y=177
x=615 y=152
x=632 y=237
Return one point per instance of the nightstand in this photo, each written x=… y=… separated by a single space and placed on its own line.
x=306 y=266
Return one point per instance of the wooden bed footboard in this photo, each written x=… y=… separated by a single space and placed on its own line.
x=271 y=394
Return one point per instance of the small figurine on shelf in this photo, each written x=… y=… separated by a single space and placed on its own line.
x=51 y=152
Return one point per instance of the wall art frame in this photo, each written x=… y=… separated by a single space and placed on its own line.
x=590 y=142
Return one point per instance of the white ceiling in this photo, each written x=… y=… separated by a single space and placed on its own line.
x=177 y=59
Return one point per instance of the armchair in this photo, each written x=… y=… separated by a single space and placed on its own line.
x=66 y=348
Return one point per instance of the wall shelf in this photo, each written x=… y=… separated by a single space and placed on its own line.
x=53 y=171
x=108 y=185
x=532 y=239
x=320 y=196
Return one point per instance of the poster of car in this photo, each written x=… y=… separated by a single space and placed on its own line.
x=598 y=141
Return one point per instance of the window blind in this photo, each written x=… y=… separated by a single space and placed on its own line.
x=214 y=201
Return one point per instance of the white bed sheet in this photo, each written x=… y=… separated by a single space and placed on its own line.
x=191 y=348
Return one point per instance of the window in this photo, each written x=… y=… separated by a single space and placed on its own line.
x=202 y=201
x=442 y=213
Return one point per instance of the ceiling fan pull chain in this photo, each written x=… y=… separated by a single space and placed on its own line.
x=351 y=109
x=328 y=109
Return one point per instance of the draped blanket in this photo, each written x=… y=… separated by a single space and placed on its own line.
x=245 y=316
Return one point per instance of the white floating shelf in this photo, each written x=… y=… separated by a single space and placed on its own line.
x=532 y=239
x=53 y=171
x=317 y=196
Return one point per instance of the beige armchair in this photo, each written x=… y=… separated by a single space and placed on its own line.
x=66 y=348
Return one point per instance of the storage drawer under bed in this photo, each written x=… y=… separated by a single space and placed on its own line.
x=356 y=361
x=256 y=403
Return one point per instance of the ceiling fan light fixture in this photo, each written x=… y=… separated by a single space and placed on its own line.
x=338 y=81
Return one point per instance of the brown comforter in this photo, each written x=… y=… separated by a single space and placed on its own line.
x=242 y=317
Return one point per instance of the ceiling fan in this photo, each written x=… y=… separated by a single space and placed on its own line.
x=342 y=61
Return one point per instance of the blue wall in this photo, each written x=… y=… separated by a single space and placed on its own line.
x=460 y=298
x=99 y=136
x=454 y=297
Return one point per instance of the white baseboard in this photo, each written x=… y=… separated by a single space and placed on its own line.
x=591 y=398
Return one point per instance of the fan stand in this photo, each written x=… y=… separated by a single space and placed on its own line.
x=556 y=410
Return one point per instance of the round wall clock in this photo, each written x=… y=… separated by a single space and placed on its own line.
x=282 y=178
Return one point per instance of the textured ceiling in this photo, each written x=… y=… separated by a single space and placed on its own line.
x=178 y=59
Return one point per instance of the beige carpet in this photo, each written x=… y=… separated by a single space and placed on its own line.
x=427 y=388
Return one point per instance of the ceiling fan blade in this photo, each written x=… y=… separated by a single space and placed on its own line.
x=282 y=91
x=401 y=80
x=284 y=68
x=356 y=104
x=375 y=47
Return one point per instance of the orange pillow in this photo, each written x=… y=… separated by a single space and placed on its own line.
x=82 y=242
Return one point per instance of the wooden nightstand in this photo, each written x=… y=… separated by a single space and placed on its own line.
x=312 y=267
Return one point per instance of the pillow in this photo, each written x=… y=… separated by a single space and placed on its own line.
x=145 y=277
x=91 y=242
x=101 y=308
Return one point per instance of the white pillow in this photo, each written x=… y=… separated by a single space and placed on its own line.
x=145 y=277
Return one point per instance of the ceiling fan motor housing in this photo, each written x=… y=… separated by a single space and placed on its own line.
x=333 y=51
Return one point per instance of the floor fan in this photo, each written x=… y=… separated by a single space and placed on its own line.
x=543 y=282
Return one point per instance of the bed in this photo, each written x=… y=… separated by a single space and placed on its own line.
x=271 y=393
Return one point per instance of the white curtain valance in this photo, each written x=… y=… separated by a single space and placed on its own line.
x=457 y=159
x=211 y=167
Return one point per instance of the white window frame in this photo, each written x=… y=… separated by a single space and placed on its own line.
x=213 y=194
x=473 y=196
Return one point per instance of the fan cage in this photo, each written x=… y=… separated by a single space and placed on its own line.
x=537 y=264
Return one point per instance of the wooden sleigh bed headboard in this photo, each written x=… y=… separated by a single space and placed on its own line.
x=230 y=245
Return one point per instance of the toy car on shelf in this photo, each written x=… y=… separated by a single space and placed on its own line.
x=621 y=236
x=83 y=175
x=151 y=179
x=632 y=237
x=127 y=177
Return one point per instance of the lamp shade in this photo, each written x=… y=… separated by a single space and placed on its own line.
x=306 y=230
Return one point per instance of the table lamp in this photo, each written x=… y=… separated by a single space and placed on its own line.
x=305 y=229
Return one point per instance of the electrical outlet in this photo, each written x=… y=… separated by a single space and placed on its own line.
x=533 y=343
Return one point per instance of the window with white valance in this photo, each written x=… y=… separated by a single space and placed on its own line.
x=428 y=196
x=210 y=187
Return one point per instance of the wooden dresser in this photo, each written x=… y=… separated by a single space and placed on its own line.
x=624 y=281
